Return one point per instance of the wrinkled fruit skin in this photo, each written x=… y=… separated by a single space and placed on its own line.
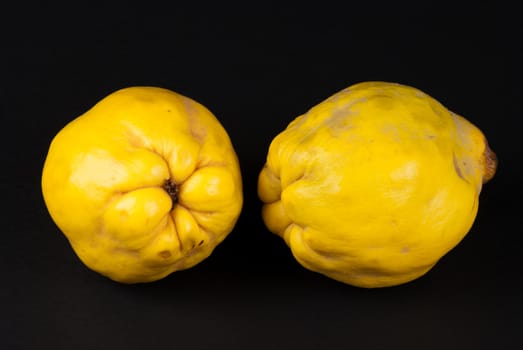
x=143 y=184
x=374 y=185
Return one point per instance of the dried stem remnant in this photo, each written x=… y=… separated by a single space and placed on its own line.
x=490 y=163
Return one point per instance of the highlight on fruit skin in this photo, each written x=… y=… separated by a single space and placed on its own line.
x=143 y=184
x=372 y=186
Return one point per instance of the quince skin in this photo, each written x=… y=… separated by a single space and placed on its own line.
x=374 y=185
x=143 y=184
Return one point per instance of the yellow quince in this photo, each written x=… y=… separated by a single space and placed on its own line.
x=143 y=184
x=372 y=186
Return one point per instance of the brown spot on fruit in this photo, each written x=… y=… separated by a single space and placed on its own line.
x=164 y=254
x=457 y=168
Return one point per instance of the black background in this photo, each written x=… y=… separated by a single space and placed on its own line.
x=256 y=66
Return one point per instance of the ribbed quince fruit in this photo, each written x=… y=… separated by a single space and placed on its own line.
x=143 y=184
x=374 y=185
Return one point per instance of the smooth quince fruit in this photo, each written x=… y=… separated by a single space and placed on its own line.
x=143 y=184
x=374 y=185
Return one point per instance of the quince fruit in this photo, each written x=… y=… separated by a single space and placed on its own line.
x=372 y=186
x=143 y=184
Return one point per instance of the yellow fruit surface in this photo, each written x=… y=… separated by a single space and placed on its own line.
x=143 y=184
x=372 y=186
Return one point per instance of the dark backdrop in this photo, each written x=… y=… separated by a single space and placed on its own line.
x=256 y=66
